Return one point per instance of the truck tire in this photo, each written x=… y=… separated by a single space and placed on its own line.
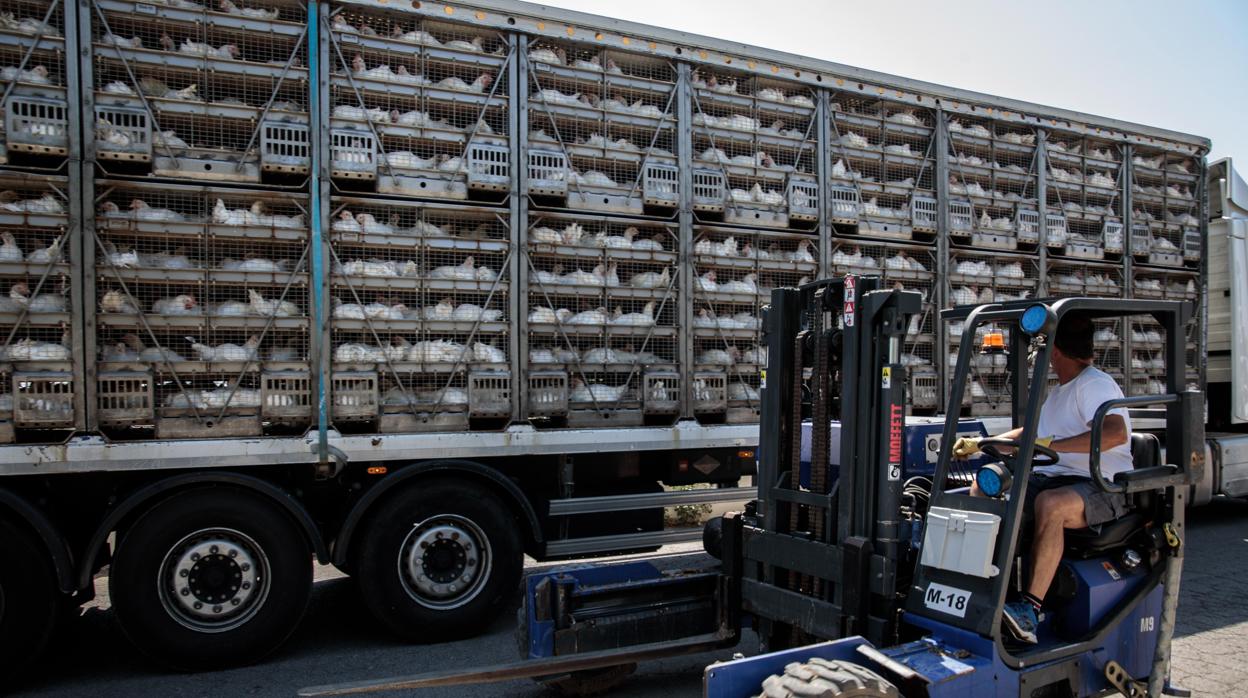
x=211 y=578
x=28 y=600
x=437 y=560
x=823 y=678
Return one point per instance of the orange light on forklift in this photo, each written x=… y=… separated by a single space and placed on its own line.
x=993 y=340
x=745 y=455
x=377 y=470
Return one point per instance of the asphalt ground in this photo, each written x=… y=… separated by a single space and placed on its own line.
x=338 y=640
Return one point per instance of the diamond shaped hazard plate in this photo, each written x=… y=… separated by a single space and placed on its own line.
x=706 y=465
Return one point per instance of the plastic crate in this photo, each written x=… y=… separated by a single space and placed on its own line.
x=43 y=399
x=710 y=393
x=923 y=213
x=285 y=148
x=548 y=394
x=803 y=198
x=961 y=218
x=489 y=394
x=708 y=191
x=122 y=133
x=355 y=397
x=1112 y=237
x=844 y=204
x=1027 y=226
x=660 y=393
x=124 y=398
x=286 y=396
x=548 y=173
x=37 y=125
x=1054 y=230
x=489 y=167
x=660 y=184
x=352 y=154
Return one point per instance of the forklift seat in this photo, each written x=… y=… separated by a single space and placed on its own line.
x=1086 y=542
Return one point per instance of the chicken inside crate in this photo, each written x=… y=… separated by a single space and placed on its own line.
x=882 y=168
x=1084 y=197
x=602 y=130
x=1165 y=224
x=223 y=100
x=418 y=108
x=993 y=183
x=1072 y=278
x=754 y=141
x=974 y=279
x=33 y=78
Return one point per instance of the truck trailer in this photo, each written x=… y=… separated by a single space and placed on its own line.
x=418 y=289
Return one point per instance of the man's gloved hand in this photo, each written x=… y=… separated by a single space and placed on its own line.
x=966 y=447
x=1045 y=441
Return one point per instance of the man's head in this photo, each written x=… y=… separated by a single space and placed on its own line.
x=1072 y=346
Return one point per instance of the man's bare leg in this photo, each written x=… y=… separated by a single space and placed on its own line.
x=1056 y=510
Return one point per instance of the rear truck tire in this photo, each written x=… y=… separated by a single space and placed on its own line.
x=211 y=578
x=589 y=682
x=29 y=600
x=437 y=560
x=824 y=678
x=713 y=538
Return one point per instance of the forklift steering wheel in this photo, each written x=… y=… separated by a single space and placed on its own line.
x=1042 y=455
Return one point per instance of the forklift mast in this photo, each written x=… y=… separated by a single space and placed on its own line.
x=821 y=555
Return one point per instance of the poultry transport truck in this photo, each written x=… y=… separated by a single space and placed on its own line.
x=415 y=289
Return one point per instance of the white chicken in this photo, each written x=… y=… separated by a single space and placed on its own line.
x=225 y=52
x=742 y=392
x=117 y=302
x=358 y=353
x=184 y=304
x=9 y=251
x=248 y=351
x=718 y=357
x=465 y=271
x=229 y=7
x=477 y=86
x=598 y=316
x=595 y=392
x=801 y=254
x=614 y=242
x=47 y=255
x=140 y=210
x=746 y=284
x=643 y=319
x=706 y=282
x=543 y=315
x=37 y=75
x=270 y=308
x=470 y=312
x=487 y=353
x=650 y=279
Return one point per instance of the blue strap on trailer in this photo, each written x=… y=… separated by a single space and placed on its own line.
x=318 y=297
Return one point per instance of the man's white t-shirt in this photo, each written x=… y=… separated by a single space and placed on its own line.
x=1068 y=411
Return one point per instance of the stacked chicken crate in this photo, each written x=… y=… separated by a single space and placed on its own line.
x=881 y=190
x=420 y=254
x=38 y=188
x=602 y=246
x=1166 y=251
x=201 y=153
x=755 y=200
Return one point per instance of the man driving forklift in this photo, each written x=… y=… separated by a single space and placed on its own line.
x=1062 y=495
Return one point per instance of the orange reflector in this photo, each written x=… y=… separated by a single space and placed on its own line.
x=376 y=470
x=745 y=454
x=994 y=340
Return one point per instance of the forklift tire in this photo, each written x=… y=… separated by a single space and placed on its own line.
x=29 y=601
x=590 y=682
x=822 y=678
x=713 y=538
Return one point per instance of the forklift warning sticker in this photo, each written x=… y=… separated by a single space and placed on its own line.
x=851 y=296
x=886 y=378
x=947 y=599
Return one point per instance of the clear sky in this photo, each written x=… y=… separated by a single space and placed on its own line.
x=1181 y=64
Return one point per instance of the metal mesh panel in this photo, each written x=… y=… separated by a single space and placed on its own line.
x=882 y=151
x=612 y=123
x=433 y=97
x=758 y=133
x=419 y=297
x=206 y=289
x=1084 y=188
x=35 y=313
x=603 y=309
x=1166 y=211
x=210 y=81
x=33 y=81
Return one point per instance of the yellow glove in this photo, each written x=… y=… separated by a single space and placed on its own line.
x=1046 y=441
x=965 y=447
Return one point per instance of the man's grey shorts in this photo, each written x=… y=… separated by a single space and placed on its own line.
x=1098 y=506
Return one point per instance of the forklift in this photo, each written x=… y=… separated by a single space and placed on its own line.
x=865 y=567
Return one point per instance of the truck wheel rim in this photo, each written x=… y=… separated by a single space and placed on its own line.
x=214 y=580
x=444 y=561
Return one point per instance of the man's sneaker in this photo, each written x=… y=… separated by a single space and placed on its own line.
x=1020 y=619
